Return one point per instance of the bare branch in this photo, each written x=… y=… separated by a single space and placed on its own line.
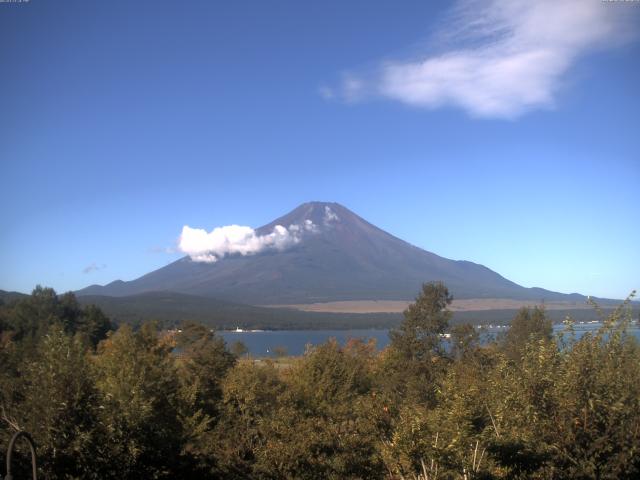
x=10 y=421
x=493 y=422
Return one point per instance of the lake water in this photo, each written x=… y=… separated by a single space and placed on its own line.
x=264 y=343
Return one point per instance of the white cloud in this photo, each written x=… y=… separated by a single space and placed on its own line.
x=499 y=58
x=306 y=226
x=329 y=215
x=209 y=247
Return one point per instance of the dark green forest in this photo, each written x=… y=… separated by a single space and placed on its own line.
x=170 y=310
x=103 y=401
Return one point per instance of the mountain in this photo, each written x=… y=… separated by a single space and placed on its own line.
x=8 y=297
x=340 y=256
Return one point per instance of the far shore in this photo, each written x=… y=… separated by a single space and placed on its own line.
x=398 y=306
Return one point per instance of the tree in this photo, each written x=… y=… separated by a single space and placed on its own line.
x=414 y=361
x=464 y=340
x=323 y=428
x=595 y=430
x=527 y=326
x=94 y=324
x=30 y=318
x=202 y=364
x=424 y=321
x=139 y=408
x=57 y=404
x=204 y=361
x=251 y=397
x=239 y=349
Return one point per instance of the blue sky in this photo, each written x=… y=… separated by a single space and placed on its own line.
x=505 y=134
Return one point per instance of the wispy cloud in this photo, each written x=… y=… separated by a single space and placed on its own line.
x=498 y=59
x=94 y=267
x=209 y=247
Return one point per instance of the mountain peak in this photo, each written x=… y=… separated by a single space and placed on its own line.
x=321 y=208
x=319 y=213
x=318 y=204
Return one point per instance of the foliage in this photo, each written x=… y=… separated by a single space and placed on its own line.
x=527 y=326
x=251 y=396
x=411 y=367
x=152 y=403
x=327 y=399
x=424 y=321
x=201 y=365
x=55 y=400
x=29 y=318
x=136 y=377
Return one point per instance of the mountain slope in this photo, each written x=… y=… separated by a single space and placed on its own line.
x=343 y=258
x=8 y=297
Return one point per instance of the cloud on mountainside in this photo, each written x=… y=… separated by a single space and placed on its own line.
x=496 y=58
x=329 y=216
x=209 y=247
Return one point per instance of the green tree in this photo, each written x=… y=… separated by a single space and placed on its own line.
x=204 y=361
x=529 y=325
x=323 y=426
x=570 y=410
x=94 y=324
x=465 y=340
x=30 y=318
x=58 y=406
x=415 y=360
x=139 y=408
x=424 y=321
x=202 y=364
x=595 y=430
x=251 y=398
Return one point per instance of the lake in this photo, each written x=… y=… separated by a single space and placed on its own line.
x=263 y=343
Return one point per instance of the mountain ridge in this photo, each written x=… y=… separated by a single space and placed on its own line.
x=341 y=257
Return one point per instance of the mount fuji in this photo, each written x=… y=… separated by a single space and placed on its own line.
x=338 y=256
